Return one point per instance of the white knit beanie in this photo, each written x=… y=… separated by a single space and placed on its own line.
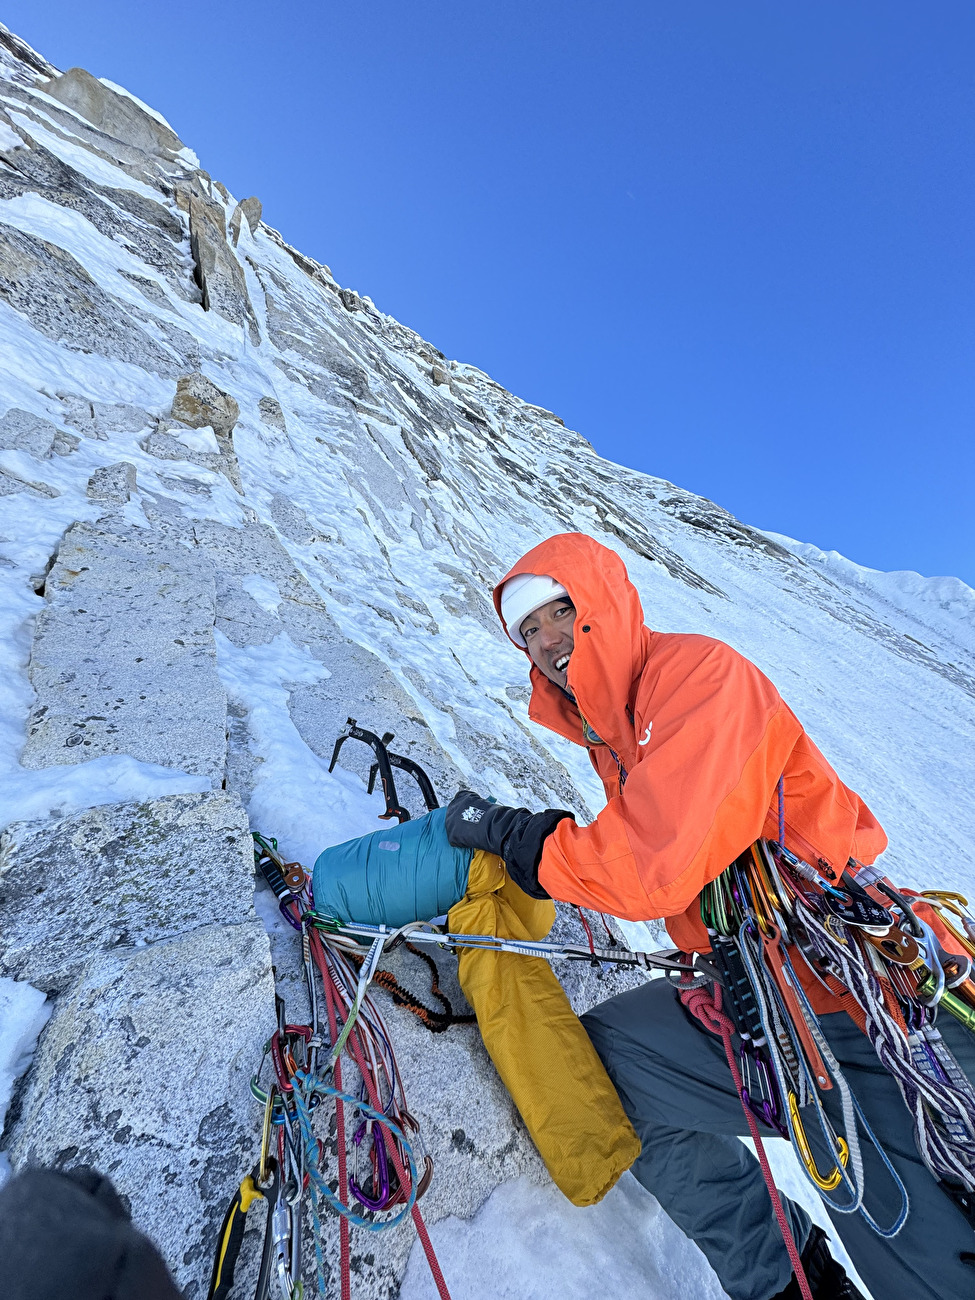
x=522 y=595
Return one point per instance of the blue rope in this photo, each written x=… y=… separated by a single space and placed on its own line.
x=781 y=789
x=307 y=1086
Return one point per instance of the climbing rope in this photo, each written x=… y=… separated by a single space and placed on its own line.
x=305 y=1063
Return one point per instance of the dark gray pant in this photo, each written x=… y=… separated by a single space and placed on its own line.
x=674 y=1083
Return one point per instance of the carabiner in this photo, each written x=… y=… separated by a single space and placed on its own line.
x=265 y=1163
x=833 y=1180
x=956 y=902
x=281 y=1231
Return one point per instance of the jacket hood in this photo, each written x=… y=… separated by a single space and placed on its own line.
x=612 y=643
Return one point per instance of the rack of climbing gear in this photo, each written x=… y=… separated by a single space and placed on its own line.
x=383 y=767
x=300 y=1072
x=860 y=935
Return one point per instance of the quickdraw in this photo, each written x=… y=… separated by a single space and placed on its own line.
x=350 y=935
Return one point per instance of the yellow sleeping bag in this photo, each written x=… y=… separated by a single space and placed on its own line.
x=537 y=1042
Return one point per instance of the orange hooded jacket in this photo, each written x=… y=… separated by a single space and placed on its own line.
x=702 y=737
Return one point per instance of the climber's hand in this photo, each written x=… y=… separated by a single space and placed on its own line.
x=514 y=834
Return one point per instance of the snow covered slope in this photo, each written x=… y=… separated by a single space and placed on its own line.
x=329 y=501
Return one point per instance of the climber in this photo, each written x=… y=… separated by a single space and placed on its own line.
x=690 y=740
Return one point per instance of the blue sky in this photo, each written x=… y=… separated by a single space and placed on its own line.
x=730 y=243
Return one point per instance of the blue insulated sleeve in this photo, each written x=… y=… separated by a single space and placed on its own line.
x=408 y=872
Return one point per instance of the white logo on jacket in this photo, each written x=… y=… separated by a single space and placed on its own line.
x=647 y=736
x=472 y=814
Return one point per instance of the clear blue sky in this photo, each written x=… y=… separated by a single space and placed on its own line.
x=733 y=244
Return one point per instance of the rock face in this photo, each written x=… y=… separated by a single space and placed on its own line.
x=58 y=296
x=113 y=113
x=23 y=431
x=200 y=403
x=100 y=420
x=113 y=484
x=123 y=660
x=140 y=916
x=248 y=210
x=218 y=272
x=143 y=1072
x=119 y=875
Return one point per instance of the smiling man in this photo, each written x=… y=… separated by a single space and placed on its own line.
x=690 y=741
x=546 y=632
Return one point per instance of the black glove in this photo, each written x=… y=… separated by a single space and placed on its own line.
x=514 y=834
x=69 y=1234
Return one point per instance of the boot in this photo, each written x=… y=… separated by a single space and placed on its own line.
x=827 y=1279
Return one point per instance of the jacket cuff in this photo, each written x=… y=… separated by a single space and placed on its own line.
x=523 y=850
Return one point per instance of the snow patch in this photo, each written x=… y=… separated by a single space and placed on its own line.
x=530 y=1242
x=9 y=139
x=198 y=439
x=264 y=592
x=24 y=1011
x=295 y=797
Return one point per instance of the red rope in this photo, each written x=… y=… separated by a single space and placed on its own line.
x=586 y=927
x=344 y=1256
x=404 y=1179
x=355 y=1048
x=700 y=1002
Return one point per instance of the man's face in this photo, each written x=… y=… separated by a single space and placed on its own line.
x=548 y=636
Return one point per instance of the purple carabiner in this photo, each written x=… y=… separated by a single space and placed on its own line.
x=767 y=1110
x=382 y=1170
